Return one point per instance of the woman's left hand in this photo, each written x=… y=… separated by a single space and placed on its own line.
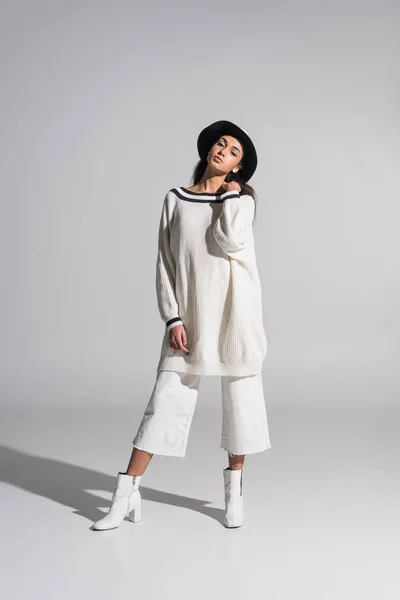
x=231 y=186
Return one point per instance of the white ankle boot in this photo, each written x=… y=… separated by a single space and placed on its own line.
x=234 y=507
x=126 y=500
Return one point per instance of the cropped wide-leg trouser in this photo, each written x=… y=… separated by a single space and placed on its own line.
x=165 y=426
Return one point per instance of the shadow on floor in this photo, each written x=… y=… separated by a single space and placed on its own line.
x=70 y=485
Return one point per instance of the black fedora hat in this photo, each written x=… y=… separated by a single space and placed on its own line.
x=210 y=134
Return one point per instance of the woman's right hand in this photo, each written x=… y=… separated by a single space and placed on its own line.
x=177 y=338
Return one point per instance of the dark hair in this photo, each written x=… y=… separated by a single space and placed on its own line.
x=246 y=188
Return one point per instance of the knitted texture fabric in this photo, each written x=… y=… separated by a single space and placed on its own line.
x=207 y=279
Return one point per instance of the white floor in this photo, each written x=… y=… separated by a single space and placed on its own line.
x=321 y=513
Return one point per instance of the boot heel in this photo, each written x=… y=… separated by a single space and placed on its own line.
x=136 y=514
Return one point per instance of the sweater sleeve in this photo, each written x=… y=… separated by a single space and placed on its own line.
x=233 y=229
x=165 y=270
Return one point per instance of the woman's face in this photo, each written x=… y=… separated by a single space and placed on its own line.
x=225 y=154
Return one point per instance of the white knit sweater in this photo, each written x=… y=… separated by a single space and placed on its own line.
x=207 y=278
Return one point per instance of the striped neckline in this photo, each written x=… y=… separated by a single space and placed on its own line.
x=191 y=196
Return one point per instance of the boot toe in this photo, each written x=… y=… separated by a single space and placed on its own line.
x=103 y=524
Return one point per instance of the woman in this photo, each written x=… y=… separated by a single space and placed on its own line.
x=209 y=297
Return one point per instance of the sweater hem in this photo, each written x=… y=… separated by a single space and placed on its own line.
x=241 y=369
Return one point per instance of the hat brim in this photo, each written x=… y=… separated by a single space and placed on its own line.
x=210 y=134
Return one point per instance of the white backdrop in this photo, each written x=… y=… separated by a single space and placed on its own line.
x=102 y=103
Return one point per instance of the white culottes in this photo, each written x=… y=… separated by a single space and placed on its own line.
x=165 y=426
